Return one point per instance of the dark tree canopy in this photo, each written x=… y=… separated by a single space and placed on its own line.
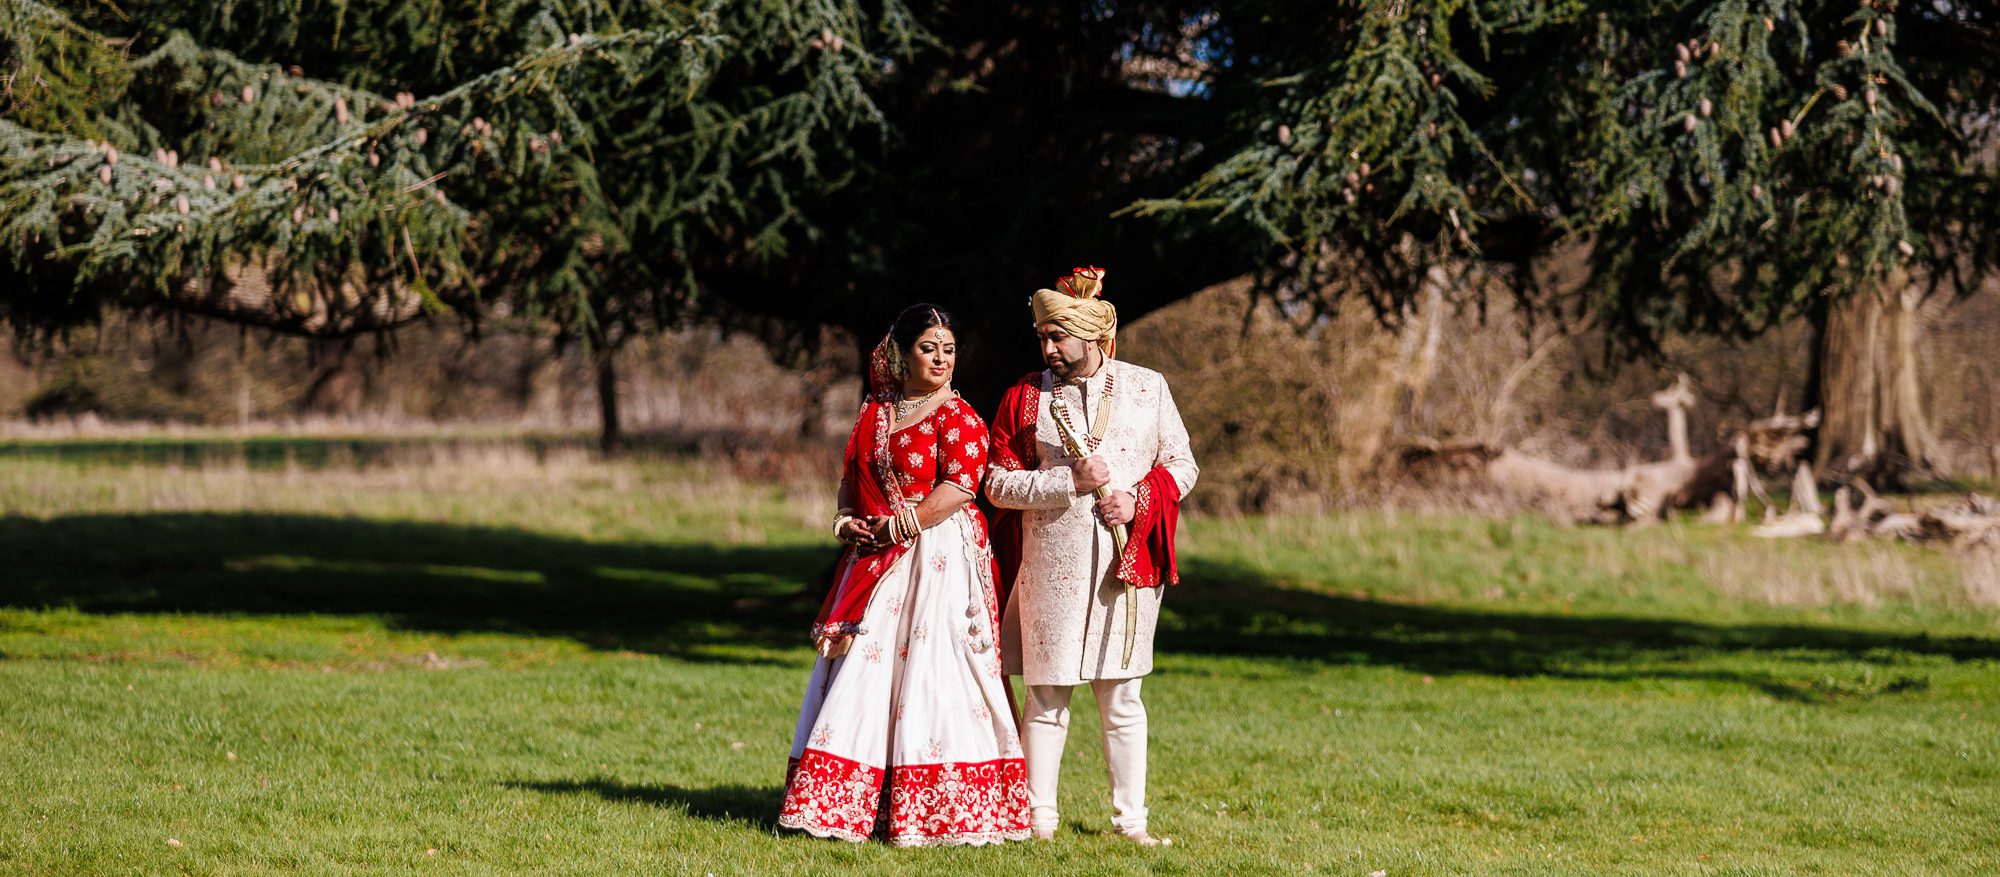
x=610 y=167
x=339 y=167
x=1726 y=164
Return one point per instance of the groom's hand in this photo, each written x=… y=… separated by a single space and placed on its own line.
x=1089 y=473
x=1117 y=508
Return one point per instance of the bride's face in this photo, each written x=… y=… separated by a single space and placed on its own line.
x=931 y=361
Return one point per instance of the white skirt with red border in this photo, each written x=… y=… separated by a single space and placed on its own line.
x=910 y=734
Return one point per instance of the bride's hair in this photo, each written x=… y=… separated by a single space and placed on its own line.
x=915 y=320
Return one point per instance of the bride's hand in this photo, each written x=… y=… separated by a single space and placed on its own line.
x=878 y=531
x=855 y=530
x=831 y=646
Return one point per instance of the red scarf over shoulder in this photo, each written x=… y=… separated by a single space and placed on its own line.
x=875 y=493
x=867 y=466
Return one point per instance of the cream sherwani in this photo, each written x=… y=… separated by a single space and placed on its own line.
x=1065 y=619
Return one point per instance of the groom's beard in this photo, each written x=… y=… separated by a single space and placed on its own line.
x=1065 y=369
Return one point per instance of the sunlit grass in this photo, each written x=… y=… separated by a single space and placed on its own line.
x=532 y=662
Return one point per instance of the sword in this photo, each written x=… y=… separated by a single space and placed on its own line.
x=1060 y=408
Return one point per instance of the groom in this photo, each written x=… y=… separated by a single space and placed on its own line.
x=1069 y=589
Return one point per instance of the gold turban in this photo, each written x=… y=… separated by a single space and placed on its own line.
x=1075 y=305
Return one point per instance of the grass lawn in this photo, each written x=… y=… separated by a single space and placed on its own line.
x=510 y=662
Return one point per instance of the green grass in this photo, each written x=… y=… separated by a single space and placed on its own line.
x=532 y=663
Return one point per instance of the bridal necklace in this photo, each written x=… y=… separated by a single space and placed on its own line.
x=905 y=406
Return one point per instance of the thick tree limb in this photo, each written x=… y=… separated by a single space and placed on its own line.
x=318 y=307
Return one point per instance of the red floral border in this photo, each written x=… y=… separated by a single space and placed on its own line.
x=830 y=796
x=929 y=804
x=982 y=802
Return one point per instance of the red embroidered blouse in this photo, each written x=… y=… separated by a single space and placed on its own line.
x=949 y=445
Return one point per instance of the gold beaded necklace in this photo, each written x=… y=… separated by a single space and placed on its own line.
x=1098 y=412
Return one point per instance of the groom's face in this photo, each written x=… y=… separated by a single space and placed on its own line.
x=1063 y=353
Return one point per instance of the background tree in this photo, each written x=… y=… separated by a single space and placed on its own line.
x=1717 y=167
x=768 y=201
x=576 y=166
x=1723 y=166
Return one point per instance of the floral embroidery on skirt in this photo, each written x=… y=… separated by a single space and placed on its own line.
x=922 y=747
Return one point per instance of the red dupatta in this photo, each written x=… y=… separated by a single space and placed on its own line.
x=1149 y=559
x=867 y=466
x=1012 y=432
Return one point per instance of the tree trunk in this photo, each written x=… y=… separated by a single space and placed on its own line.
x=812 y=421
x=243 y=383
x=1866 y=382
x=610 y=438
x=340 y=388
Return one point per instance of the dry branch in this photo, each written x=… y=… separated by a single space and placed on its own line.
x=318 y=306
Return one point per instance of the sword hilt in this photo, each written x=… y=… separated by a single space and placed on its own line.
x=1119 y=532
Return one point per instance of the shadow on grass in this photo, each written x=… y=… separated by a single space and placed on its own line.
x=753 y=806
x=1228 y=612
x=682 y=600
x=665 y=599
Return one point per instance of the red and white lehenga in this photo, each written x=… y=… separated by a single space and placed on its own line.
x=911 y=731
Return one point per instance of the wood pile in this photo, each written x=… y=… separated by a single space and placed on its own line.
x=1721 y=483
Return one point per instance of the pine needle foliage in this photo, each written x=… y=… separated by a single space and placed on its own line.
x=1724 y=165
x=601 y=155
x=1714 y=166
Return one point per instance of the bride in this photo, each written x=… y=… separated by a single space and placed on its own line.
x=906 y=726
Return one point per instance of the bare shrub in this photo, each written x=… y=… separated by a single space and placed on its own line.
x=135 y=375
x=1288 y=414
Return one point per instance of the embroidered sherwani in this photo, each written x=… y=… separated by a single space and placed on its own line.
x=1065 y=618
